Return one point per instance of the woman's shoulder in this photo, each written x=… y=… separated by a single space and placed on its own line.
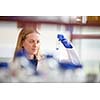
x=41 y=57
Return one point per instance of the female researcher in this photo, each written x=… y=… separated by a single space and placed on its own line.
x=28 y=44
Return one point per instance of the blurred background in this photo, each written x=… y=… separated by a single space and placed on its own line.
x=82 y=31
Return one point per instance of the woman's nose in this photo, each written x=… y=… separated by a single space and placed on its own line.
x=35 y=44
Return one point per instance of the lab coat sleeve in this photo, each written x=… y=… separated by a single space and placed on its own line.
x=73 y=55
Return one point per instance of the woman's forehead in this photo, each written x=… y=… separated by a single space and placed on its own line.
x=33 y=36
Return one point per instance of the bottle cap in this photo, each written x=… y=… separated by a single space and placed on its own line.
x=49 y=56
x=3 y=65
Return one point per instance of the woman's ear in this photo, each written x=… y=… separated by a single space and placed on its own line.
x=22 y=44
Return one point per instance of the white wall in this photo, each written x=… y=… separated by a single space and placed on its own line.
x=89 y=49
x=8 y=37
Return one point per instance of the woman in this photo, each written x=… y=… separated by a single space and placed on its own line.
x=28 y=44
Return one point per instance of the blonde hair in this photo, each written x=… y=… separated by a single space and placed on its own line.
x=22 y=36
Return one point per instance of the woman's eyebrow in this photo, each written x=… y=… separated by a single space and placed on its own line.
x=33 y=40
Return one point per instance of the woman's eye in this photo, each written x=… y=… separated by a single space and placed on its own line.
x=38 y=41
x=31 y=41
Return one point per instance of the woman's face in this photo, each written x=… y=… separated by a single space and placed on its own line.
x=32 y=43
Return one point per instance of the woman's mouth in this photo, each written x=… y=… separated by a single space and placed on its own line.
x=34 y=49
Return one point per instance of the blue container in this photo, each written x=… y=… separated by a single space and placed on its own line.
x=66 y=66
x=4 y=65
